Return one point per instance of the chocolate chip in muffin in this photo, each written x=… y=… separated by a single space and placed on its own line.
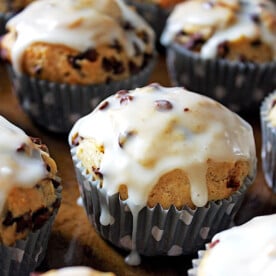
x=163 y=105
x=256 y=43
x=223 y=49
x=90 y=54
x=117 y=46
x=137 y=50
x=133 y=67
x=39 y=217
x=128 y=26
x=144 y=36
x=111 y=64
x=194 y=42
x=255 y=18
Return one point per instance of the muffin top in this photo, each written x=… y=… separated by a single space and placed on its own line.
x=13 y=5
x=74 y=271
x=248 y=249
x=28 y=180
x=105 y=34
x=143 y=134
x=243 y=30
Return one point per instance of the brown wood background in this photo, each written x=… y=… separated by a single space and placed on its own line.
x=73 y=240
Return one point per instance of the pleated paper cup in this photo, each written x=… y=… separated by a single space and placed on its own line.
x=241 y=86
x=57 y=106
x=268 y=141
x=159 y=231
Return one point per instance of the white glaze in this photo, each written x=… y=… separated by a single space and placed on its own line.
x=162 y=142
x=73 y=271
x=249 y=249
x=87 y=24
x=17 y=169
x=201 y=16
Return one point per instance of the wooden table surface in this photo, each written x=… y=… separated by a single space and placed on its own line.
x=73 y=240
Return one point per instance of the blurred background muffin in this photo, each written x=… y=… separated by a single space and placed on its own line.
x=248 y=249
x=8 y=8
x=62 y=66
x=30 y=198
x=155 y=13
x=152 y=174
x=268 y=126
x=73 y=271
x=224 y=49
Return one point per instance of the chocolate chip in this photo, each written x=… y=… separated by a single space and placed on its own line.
x=144 y=36
x=23 y=222
x=231 y=183
x=111 y=64
x=128 y=26
x=163 y=105
x=90 y=54
x=123 y=137
x=9 y=220
x=117 y=46
x=256 y=43
x=123 y=96
x=97 y=172
x=255 y=18
x=213 y=244
x=186 y=109
x=223 y=49
x=195 y=41
x=21 y=148
x=37 y=70
x=103 y=105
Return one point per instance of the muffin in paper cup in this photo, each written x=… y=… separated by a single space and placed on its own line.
x=223 y=50
x=231 y=251
x=169 y=232
x=240 y=86
x=25 y=255
x=57 y=106
x=147 y=182
x=268 y=127
x=60 y=71
x=30 y=199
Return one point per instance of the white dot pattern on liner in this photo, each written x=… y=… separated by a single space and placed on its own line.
x=186 y=217
x=157 y=233
x=175 y=250
x=204 y=231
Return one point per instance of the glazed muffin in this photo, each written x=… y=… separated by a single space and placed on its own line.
x=8 y=8
x=268 y=126
x=97 y=49
x=224 y=49
x=30 y=197
x=152 y=156
x=238 y=251
x=74 y=271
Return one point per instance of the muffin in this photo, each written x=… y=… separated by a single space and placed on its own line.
x=268 y=126
x=8 y=8
x=74 y=271
x=152 y=173
x=30 y=197
x=223 y=49
x=155 y=12
x=240 y=250
x=62 y=66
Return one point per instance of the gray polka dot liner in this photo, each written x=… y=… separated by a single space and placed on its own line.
x=268 y=142
x=239 y=86
x=23 y=257
x=56 y=107
x=168 y=232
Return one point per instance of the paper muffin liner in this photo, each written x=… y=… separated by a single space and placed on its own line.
x=25 y=255
x=57 y=106
x=160 y=231
x=268 y=142
x=154 y=14
x=239 y=86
